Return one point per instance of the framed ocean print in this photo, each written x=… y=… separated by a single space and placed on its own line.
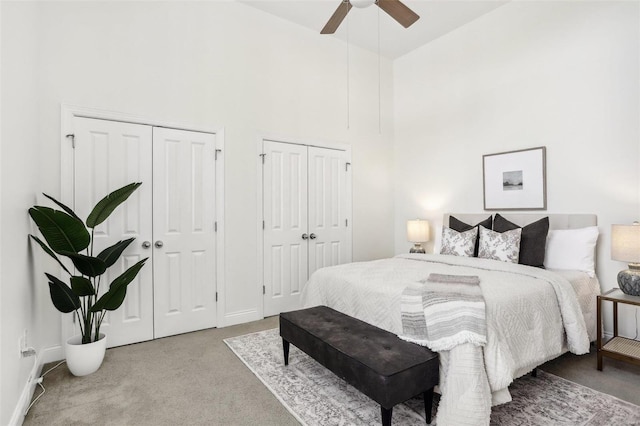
x=515 y=180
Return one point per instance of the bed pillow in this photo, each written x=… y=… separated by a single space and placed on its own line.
x=572 y=249
x=458 y=243
x=437 y=241
x=503 y=246
x=532 y=242
x=458 y=225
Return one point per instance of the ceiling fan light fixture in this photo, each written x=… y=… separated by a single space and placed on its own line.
x=361 y=4
x=394 y=8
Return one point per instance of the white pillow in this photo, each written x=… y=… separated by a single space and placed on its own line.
x=459 y=243
x=572 y=249
x=504 y=246
x=437 y=242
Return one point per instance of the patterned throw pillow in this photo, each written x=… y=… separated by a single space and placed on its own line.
x=503 y=246
x=458 y=243
x=457 y=225
x=532 y=242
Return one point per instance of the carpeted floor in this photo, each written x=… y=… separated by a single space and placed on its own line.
x=195 y=379
x=318 y=397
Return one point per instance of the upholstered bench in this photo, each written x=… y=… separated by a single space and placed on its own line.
x=376 y=362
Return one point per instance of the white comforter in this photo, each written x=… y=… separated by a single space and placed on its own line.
x=533 y=315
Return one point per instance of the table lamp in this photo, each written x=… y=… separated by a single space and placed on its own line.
x=625 y=247
x=417 y=233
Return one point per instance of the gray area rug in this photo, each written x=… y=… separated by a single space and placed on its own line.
x=315 y=396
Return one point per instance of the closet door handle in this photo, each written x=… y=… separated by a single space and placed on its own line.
x=146 y=244
x=312 y=236
x=159 y=244
x=305 y=237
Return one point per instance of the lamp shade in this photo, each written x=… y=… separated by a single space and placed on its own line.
x=625 y=243
x=417 y=231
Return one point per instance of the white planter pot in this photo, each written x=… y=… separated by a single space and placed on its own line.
x=85 y=359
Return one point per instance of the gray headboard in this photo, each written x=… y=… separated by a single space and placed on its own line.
x=556 y=221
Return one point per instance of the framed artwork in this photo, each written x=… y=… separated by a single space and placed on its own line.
x=515 y=180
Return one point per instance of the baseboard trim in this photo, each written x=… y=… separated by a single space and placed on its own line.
x=25 y=397
x=240 y=317
x=46 y=355
x=52 y=354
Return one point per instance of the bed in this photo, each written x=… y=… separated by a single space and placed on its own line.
x=532 y=314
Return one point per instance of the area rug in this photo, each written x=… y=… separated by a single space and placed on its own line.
x=315 y=396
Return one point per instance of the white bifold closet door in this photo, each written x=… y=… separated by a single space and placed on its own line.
x=171 y=215
x=305 y=219
x=184 y=273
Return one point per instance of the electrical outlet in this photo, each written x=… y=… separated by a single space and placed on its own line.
x=23 y=344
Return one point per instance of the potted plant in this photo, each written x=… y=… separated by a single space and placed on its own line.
x=66 y=235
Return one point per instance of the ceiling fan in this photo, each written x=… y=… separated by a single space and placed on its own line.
x=394 y=8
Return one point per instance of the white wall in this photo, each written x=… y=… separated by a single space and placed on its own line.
x=19 y=166
x=564 y=75
x=211 y=64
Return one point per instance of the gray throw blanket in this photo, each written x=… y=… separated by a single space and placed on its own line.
x=444 y=311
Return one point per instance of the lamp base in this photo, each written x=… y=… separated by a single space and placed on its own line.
x=629 y=281
x=417 y=248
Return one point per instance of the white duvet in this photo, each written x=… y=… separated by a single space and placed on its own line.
x=533 y=315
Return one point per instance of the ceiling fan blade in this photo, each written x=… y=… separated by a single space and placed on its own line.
x=337 y=18
x=398 y=11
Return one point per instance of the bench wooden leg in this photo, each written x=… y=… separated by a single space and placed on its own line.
x=285 y=347
x=428 y=404
x=386 y=415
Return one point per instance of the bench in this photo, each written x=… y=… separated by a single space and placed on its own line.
x=376 y=362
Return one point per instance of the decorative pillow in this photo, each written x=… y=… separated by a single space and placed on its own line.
x=458 y=243
x=458 y=225
x=503 y=246
x=572 y=249
x=532 y=242
x=437 y=241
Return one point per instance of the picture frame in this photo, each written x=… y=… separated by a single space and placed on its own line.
x=515 y=180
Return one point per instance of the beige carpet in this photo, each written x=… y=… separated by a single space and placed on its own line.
x=191 y=379
x=195 y=379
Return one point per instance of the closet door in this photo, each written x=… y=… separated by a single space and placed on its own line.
x=184 y=266
x=107 y=156
x=285 y=226
x=328 y=237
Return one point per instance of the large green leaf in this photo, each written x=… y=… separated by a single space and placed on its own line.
x=110 y=255
x=49 y=251
x=87 y=265
x=108 y=204
x=63 y=298
x=65 y=208
x=113 y=298
x=82 y=286
x=63 y=232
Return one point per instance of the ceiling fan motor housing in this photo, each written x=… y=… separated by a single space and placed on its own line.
x=362 y=3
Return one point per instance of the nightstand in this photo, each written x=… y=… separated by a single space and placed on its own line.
x=618 y=347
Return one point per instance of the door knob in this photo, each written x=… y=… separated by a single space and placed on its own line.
x=305 y=237
x=146 y=244
x=312 y=236
x=159 y=244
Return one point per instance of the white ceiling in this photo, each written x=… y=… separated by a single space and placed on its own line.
x=436 y=18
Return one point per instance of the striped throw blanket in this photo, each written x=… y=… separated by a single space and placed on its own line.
x=444 y=311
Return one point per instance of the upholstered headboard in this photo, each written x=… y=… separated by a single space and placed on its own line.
x=556 y=221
